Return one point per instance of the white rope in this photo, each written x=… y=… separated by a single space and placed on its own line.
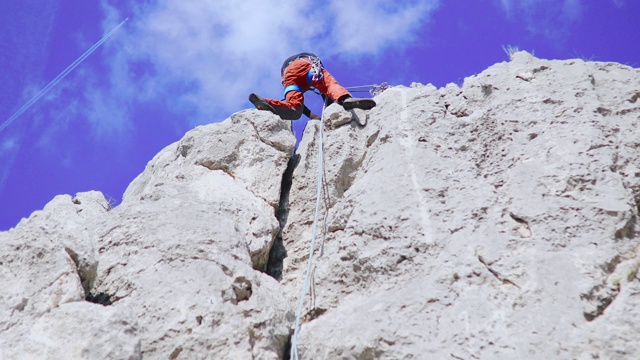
x=375 y=89
x=360 y=86
x=303 y=293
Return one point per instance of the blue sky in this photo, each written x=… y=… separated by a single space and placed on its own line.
x=178 y=64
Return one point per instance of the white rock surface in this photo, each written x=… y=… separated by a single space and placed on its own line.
x=496 y=220
x=182 y=248
x=251 y=146
x=44 y=263
x=78 y=330
x=37 y=276
x=234 y=167
x=177 y=261
x=64 y=221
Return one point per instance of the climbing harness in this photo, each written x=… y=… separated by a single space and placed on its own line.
x=314 y=74
x=292 y=88
x=303 y=293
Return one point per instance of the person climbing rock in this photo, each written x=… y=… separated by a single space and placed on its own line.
x=300 y=73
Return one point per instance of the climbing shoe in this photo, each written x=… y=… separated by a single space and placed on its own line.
x=260 y=103
x=358 y=103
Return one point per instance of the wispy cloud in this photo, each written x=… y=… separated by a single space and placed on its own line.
x=10 y=144
x=549 y=18
x=619 y=3
x=206 y=57
x=371 y=26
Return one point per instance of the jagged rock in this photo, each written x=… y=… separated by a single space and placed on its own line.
x=64 y=221
x=224 y=168
x=182 y=248
x=177 y=262
x=37 y=276
x=78 y=330
x=252 y=147
x=44 y=263
x=486 y=221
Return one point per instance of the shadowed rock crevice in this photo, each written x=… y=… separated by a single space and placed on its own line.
x=286 y=354
x=86 y=272
x=347 y=173
x=278 y=251
x=99 y=298
x=598 y=299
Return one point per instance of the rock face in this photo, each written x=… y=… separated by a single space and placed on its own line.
x=44 y=263
x=497 y=220
x=177 y=261
x=182 y=248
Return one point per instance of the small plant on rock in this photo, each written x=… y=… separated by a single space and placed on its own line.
x=510 y=50
x=633 y=272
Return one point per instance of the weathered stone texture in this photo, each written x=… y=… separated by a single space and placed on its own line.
x=493 y=220
x=178 y=262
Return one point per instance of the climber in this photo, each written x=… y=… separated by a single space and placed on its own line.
x=300 y=73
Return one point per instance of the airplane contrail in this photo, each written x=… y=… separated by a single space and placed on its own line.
x=60 y=76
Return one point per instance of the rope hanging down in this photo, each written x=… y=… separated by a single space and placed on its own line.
x=375 y=90
x=303 y=293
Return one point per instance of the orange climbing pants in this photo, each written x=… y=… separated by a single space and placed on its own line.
x=296 y=74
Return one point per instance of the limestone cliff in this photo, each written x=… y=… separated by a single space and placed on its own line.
x=176 y=263
x=493 y=220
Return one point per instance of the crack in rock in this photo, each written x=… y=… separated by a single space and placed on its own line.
x=277 y=253
x=495 y=273
x=523 y=228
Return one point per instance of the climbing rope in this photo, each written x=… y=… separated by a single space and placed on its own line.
x=303 y=293
x=374 y=89
x=377 y=89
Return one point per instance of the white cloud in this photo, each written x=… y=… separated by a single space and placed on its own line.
x=9 y=147
x=207 y=56
x=369 y=26
x=549 y=18
x=8 y=144
x=619 y=3
x=507 y=7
